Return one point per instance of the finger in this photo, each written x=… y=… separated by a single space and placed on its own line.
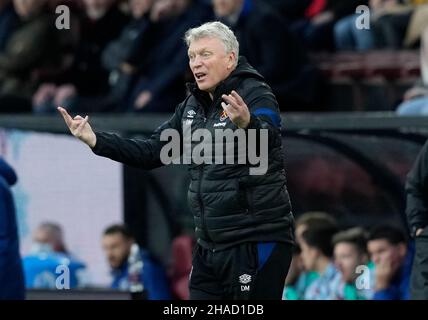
x=67 y=118
x=82 y=124
x=237 y=97
x=228 y=109
x=231 y=101
x=78 y=117
x=235 y=103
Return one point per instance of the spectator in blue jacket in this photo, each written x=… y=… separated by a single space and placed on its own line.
x=393 y=258
x=117 y=242
x=11 y=275
x=45 y=266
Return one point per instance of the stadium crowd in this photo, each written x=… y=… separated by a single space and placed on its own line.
x=129 y=56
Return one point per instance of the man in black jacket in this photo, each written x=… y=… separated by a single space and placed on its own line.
x=417 y=216
x=242 y=212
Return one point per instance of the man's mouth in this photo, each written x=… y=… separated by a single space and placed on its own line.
x=200 y=76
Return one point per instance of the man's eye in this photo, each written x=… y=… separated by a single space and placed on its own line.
x=206 y=54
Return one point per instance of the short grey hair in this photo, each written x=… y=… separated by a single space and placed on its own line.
x=217 y=30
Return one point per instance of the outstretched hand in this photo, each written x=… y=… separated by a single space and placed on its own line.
x=236 y=109
x=79 y=127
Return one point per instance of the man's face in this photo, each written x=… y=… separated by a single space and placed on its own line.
x=26 y=8
x=309 y=256
x=347 y=257
x=116 y=248
x=384 y=253
x=43 y=236
x=209 y=62
x=96 y=9
x=223 y=8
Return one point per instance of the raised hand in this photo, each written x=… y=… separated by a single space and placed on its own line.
x=236 y=109
x=79 y=127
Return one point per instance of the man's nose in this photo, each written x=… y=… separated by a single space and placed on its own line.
x=196 y=63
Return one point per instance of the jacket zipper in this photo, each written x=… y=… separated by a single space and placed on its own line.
x=201 y=203
x=201 y=172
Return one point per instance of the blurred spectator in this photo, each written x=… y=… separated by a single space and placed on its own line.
x=33 y=45
x=317 y=252
x=348 y=37
x=272 y=50
x=118 y=53
x=114 y=59
x=391 y=23
x=42 y=267
x=101 y=22
x=417 y=215
x=162 y=62
x=418 y=22
x=392 y=257
x=117 y=242
x=8 y=22
x=316 y=29
x=313 y=219
x=416 y=99
x=11 y=275
x=299 y=278
x=350 y=251
x=139 y=77
x=49 y=234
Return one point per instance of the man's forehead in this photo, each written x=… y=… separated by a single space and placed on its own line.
x=204 y=43
x=379 y=243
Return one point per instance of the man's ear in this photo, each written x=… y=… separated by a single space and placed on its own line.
x=232 y=60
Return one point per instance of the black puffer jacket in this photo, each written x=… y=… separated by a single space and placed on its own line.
x=230 y=206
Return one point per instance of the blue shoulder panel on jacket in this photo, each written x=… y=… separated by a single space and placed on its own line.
x=274 y=116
